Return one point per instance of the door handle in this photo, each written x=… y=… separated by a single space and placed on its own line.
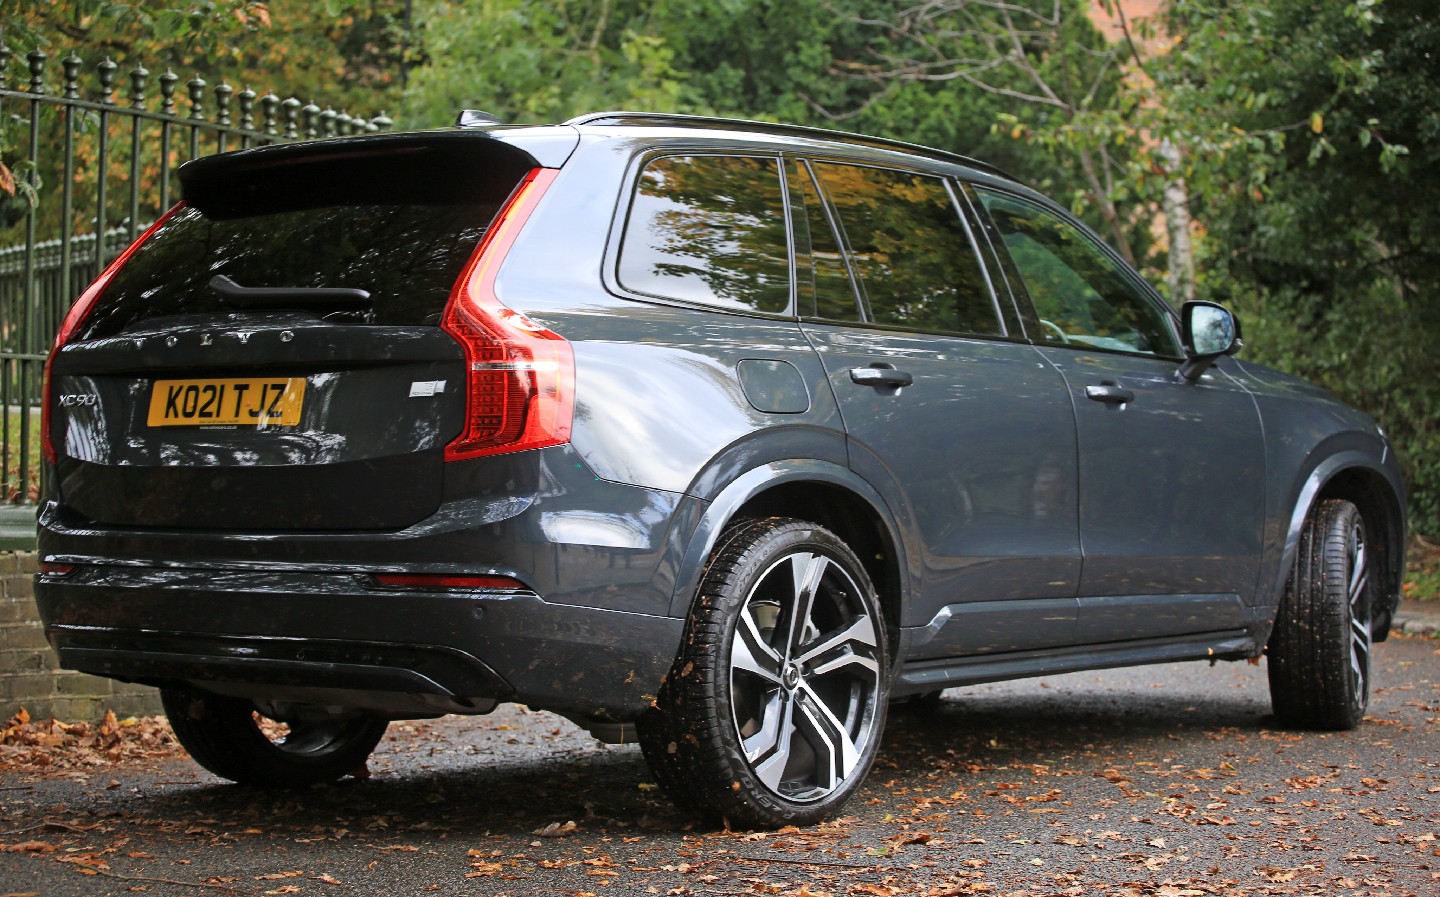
x=881 y=374
x=1110 y=393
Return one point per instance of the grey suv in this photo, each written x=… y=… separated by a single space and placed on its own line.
x=717 y=434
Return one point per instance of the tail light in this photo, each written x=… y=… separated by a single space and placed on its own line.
x=519 y=376
x=76 y=317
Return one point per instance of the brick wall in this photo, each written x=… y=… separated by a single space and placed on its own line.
x=29 y=676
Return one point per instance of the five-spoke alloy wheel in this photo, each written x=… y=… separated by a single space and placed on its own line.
x=773 y=710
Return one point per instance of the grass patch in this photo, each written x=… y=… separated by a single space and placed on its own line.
x=14 y=492
x=1422 y=570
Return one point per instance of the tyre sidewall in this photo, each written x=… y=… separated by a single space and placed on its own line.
x=1311 y=682
x=699 y=698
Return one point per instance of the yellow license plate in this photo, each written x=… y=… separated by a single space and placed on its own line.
x=236 y=401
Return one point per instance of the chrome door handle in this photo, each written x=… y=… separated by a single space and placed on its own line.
x=875 y=375
x=1110 y=394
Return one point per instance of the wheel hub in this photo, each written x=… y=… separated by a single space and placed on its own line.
x=791 y=676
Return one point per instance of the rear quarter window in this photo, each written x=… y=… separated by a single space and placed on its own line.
x=709 y=230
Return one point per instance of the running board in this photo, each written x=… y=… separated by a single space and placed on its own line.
x=931 y=675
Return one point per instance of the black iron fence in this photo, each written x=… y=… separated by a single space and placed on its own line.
x=93 y=153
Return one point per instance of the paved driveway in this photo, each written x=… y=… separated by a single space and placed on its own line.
x=1162 y=781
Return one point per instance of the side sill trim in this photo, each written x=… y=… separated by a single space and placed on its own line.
x=934 y=674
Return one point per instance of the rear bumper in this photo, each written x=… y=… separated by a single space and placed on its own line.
x=264 y=633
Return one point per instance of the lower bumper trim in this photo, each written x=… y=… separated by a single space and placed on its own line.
x=154 y=657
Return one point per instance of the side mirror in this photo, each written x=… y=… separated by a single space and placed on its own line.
x=1207 y=331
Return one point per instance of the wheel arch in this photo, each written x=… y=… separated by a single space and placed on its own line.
x=817 y=491
x=1376 y=490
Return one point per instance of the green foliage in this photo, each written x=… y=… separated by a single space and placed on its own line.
x=537 y=62
x=1313 y=133
x=346 y=53
x=178 y=31
x=827 y=63
x=1422 y=571
x=1040 y=82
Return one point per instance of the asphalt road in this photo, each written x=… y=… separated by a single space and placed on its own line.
x=1152 y=782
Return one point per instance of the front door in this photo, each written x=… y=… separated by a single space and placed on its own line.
x=1171 y=472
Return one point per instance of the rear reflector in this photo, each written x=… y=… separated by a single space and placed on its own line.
x=48 y=568
x=520 y=377
x=447 y=581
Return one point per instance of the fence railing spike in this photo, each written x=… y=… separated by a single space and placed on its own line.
x=37 y=58
x=106 y=71
x=70 y=66
x=196 y=89
x=168 y=82
x=270 y=108
x=223 y=92
x=139 y=79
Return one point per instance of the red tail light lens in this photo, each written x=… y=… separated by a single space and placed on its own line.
x=76 y=317
x=520 y=377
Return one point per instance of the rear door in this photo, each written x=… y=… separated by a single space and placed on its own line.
x=269 y=358
x=1171 y=472
x=967 y=433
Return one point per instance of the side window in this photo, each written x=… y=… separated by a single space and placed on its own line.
x=823 y=286
x=709 y=229
x=909 y=249
x=1083 y=296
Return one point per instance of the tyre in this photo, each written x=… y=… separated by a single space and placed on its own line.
x=226 y=736
x=1319 y=651
x=773 y=710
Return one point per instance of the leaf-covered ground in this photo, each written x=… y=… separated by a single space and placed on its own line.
x=41 y=746
x=1152 y=782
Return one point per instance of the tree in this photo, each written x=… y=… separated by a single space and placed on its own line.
x=1057 y=77
x=524 y=60
x=344 y=52
x=1310 y=132
x=798 y=61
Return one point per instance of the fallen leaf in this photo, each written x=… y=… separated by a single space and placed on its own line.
x=31 y=847
x=557 y=829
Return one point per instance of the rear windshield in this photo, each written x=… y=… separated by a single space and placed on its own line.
x=407 y=256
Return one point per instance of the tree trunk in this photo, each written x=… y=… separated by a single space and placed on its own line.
x=1177 y=226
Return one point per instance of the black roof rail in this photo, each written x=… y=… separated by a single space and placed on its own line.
x=678 y=120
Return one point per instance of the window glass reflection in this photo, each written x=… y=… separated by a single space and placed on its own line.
x=823 y=284
x=407 y=256
x=709 y=229
x=910 y=250
x=1081 y=293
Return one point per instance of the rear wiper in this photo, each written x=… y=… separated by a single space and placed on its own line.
x=326 y=299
